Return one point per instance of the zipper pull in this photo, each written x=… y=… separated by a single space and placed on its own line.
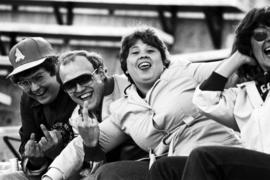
x=152 y=157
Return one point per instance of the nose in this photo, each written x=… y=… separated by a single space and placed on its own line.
x=79 y=87
x=34 y=86
x=144 y=56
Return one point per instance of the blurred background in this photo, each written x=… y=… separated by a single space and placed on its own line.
x=192 y=29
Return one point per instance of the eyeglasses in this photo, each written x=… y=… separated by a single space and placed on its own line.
x=26 y=83
x=261 y=34
x=82 y=80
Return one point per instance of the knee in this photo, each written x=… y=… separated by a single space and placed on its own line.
x=168 y=168
x=111 y=171
x=201 y=151
x=122 y=170
x=204 y=154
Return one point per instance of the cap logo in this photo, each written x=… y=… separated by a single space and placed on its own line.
x=19 y=56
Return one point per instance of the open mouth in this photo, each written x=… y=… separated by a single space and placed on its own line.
x=40 y=93
x=144 y=65
x=85 y=96
x=267 y=51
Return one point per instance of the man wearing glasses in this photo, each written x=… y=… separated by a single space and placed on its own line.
x=84 y=78
x=45 y=108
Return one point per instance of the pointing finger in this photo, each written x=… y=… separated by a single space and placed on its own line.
x=32 y=136
x=85 y=111
x=46 y=132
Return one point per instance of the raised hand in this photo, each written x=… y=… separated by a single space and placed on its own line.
x=88 y=127
x=50 y=138
x=33 y=151
x=244 y=58
x=232 y=64
x=32 y=148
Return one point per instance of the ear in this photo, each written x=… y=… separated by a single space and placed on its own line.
x=102 y=73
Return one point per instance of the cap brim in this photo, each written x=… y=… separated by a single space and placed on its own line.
x=26 y=66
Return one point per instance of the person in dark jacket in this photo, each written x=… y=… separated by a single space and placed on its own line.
x=45 y=107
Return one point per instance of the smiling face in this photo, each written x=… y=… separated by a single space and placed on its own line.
x=144 y=65
x=261 y=46
x=40 y=85
x=91 y=91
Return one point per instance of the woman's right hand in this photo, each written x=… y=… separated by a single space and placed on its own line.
x=244 y=59
x=88 y=128
x=231 y=64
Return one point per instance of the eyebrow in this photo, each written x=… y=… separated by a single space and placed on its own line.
x=31 y=76
x=134 y=46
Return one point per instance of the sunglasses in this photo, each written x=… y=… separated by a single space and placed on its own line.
x=260 y=35
x=82 y=80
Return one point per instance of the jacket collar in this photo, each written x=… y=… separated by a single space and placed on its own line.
x=252 y=92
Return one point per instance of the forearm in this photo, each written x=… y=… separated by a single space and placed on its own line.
x=215 y=82
x=68 y=161
x=230 y=65
x=53 y=174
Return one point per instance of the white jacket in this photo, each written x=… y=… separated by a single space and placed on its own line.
x=71 y=158
x=244 y=105
x=166 y=114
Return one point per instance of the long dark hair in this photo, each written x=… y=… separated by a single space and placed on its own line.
x=243 y=34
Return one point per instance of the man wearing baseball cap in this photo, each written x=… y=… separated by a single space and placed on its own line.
x=45 y=107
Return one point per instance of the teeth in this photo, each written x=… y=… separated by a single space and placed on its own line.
x=85 y=95
x=40 y=93
x=267 y=49
x=144 y=65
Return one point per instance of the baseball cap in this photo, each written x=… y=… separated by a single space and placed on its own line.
x=28 y=53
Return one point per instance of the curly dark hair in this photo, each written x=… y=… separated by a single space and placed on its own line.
x=49 y=65
x=147 y=35
x=94 y=58
x=243 y=34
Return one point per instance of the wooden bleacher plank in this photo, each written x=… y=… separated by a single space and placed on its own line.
x=4 y=61
x=212 y=9
x=71 y=32
x=7 y=130
x=229 y=5
x=5 y=68
x=5 y=99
